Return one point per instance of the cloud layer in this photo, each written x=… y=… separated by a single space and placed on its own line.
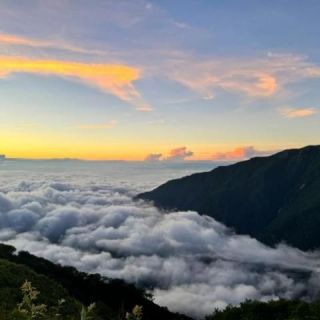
x=190 y=263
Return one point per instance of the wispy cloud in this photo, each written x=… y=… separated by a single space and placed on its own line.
x=240 y=153
x=289 y=112
x=106 y=125
x=16 y=40
x=255 y=77
x=144 y=107
x=182 y=25
x=258 y=77
x=116 y=79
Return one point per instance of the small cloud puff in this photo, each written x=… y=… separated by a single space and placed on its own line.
x=153 y=157
x=240 y=153
x=291 y=113
x=177 y=154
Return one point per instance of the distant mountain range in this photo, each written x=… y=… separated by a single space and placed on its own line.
x=273 y=199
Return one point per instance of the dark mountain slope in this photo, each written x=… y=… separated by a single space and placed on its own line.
x=273 y=199
x=13 y=275
x=112 y=297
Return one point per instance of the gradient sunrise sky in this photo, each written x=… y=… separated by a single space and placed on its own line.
x=184 y=79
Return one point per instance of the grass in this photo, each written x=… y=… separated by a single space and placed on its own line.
x=29 y=308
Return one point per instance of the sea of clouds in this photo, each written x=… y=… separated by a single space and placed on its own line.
x=191 y=263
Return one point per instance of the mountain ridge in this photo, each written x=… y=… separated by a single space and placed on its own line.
x=274 y=199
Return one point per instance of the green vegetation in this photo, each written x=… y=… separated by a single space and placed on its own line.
x=87 y=313
x=13 y=275
x=28 y=306
x=274 y=310
x=136 y=314
x=272 y=198
x=112 y=298
x=30 y=309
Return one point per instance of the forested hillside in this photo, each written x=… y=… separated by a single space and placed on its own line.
x=113 y=298
x=274 y=310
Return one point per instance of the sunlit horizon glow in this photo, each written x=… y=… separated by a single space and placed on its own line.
x=150 y=80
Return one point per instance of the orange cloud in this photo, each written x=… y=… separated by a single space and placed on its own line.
x=240 y=153
x=255 y=77
x=112 y=78
x=297 y=112
x=177 y=154
x=268 y=84
x=255 y=85
x=207 y=78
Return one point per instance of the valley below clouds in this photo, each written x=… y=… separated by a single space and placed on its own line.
x=190 y=263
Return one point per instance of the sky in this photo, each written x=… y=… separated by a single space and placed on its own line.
x=158 y=80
